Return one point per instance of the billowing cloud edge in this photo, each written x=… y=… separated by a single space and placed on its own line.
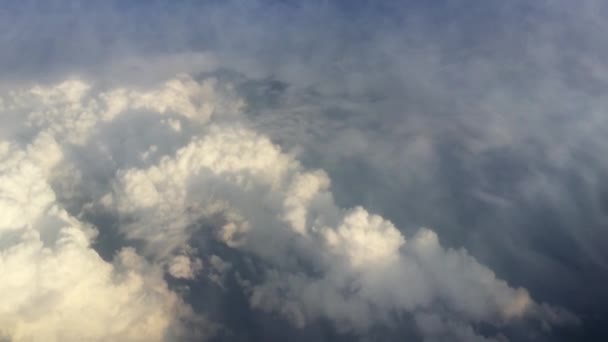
x=190 y=164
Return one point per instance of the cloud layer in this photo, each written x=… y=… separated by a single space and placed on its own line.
x=169 y=168
x=188 y=171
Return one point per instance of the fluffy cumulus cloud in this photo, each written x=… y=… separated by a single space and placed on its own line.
x=54 y=285
x=205 y=185
x=221 y=179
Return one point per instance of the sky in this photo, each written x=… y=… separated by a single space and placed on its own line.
x=271 y=170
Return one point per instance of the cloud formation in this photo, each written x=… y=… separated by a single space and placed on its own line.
x=319 y=261
x=285 y=156
x=54 y=284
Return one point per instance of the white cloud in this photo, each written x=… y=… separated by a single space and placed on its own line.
x=366 y=240
x=182 y=266
x=259 y=200
x=54 y=285
x=72 y=110
x=284 y=212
